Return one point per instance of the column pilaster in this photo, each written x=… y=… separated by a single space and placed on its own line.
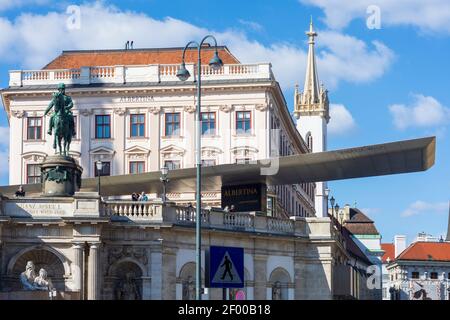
x=93 y=287
x=77 y=268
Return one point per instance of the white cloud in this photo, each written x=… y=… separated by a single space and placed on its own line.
x=424 y=111
x=346 y=58
x=4 y=150
x=255 y=26
x=9 y=4
x=341 y=120
x=4 y=137
x=4 y=162
x=34 y=39
x=429 y=15
x=370 y=211
x=420 y=207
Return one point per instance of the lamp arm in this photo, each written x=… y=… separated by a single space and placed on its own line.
x=187 y=46
x=204 y=39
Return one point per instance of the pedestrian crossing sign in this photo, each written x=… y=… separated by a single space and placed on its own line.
x=225 y=267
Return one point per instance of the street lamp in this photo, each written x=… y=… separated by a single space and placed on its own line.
x=183 y=74
x=99 y=166
x=332 y=200
x=164 y=180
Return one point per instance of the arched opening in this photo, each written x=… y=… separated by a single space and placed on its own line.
x=187 y=280
x=279 y=282
x=126 y=281
x=42 y=259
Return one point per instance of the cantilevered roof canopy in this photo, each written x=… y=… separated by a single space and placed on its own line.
x=373 y=160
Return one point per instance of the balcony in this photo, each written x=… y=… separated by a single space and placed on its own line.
x=85 y=206
x=128 y=74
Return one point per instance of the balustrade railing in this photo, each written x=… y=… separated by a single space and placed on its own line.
x=238 y=220
x=187 y=215
x=129 y=209
x=280 y=225
x=123 y=74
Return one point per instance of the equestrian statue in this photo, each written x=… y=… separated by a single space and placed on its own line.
x=61 y=120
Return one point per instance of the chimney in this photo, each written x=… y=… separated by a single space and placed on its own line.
x=347 y=212
x=399 y=244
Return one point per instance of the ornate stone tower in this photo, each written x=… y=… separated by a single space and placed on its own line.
x=311 y=108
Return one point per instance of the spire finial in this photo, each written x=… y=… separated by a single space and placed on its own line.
x=311 y=33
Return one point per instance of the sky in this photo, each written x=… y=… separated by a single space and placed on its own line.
x=384 y=62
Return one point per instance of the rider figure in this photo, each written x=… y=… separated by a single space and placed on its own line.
x=68 y=104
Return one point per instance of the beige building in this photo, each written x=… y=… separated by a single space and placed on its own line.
x=134 y=115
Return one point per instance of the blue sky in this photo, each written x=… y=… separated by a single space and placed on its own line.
x=386 y=84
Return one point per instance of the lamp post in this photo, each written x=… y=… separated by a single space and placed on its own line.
x=99 y=166
x=164 y=180
x=183 y=74
x=332 y=200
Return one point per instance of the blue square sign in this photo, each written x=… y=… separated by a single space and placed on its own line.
x=224 y=267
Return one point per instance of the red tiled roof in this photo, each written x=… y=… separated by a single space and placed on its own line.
x=427 y=251
x=389 y=252
x=89 y=58
x=359 y=223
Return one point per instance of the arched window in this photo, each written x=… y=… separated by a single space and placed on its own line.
x=279 y=281
x=309 y=141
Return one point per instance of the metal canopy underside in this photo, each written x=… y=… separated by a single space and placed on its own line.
x=373 y=160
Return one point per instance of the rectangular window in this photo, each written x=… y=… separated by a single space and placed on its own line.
x=137 y=125
x=106 y=169
x=172 y=164
x=137 y=167
x=102 y=127
x=243 y=122
x=33 y=173
x=415 y=275
x=172 y=124
x=208 y=162
x=433 y=275
x=208 y=123
x=34 y=128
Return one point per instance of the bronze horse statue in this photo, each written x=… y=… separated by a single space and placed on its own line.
x=61 y=120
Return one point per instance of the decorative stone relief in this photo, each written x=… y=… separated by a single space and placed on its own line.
x=86 y=112
x=154 y=110
x=209 y=152
x=226 y=108
x=190 y=108
x=34 y=158
x=261 y=107
x=18 y=113
x=120 y=111
x=117 y=253
x=139 y=156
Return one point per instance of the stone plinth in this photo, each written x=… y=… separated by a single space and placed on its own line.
x=61 y=176
x=38 y=295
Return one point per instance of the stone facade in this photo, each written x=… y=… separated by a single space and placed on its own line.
x=116 y=250
x=238 y=95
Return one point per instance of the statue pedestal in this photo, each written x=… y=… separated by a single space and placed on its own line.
x=61 y=176
x=38 y=295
